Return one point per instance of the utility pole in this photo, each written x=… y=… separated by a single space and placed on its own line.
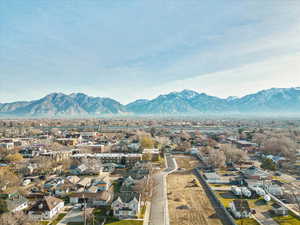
x=84 y=202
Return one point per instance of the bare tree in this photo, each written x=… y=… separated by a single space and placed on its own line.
x=233 y=154
x=216 y=158
x=8 y=179
x=281 y=146
x=18 y=218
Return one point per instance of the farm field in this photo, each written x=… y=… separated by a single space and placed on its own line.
x=188 y=203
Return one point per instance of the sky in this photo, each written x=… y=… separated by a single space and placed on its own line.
x=131 y=49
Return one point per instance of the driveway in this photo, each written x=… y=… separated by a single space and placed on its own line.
x=265 y=218
x=75 y=215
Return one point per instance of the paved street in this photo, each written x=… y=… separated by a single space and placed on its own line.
x=158 y=213
x=75 y=215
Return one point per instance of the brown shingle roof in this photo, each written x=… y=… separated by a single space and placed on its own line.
x=46 y=204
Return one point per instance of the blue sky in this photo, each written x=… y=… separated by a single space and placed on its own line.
x=129 y=49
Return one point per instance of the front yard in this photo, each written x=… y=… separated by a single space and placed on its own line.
x=227 y=197
x=291 y=219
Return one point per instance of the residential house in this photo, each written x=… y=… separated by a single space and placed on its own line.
x=212 y=177
x=253 y=183
x=102 y=184
x=72 y=179
x=240 y=208
x=255 y=173
x=78 y=170
x=119 y=158
x=127 y=205
x=13 y=202
x=46 y=208
x=84 y=182
x=101 y=198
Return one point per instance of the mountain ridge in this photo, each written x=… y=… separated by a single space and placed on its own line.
x=185 y=102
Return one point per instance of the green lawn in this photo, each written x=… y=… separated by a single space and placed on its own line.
x=44 y=222
x=291 y=219
x=126 y=222
x=227 y=197
x=246 y=221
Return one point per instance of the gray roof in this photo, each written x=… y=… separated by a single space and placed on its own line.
x=127 y=196
x=212 y=175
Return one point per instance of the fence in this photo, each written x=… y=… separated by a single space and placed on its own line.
x=220 y=209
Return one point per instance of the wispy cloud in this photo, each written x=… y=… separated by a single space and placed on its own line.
x=139 y=49
x=276 y=72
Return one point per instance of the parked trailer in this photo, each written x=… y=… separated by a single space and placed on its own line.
x=246 y=192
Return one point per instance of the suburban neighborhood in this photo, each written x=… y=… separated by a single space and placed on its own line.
x=168 y=172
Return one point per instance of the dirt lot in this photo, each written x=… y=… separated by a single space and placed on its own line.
x=186 y=162
x=188 y=203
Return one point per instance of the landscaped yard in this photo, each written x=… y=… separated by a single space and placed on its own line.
x=126 y=222
x=291 y=219
x=227 y=197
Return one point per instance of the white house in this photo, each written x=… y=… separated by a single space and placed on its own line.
x=240 y=208
x=14 y=202
x=126 y=205
x=46 y=208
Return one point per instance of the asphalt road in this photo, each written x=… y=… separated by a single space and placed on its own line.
x=159 y=212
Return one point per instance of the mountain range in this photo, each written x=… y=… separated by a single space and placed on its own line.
x=186 y=102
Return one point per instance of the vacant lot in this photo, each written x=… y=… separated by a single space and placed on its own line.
x=188 y=203
x=186 y=162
